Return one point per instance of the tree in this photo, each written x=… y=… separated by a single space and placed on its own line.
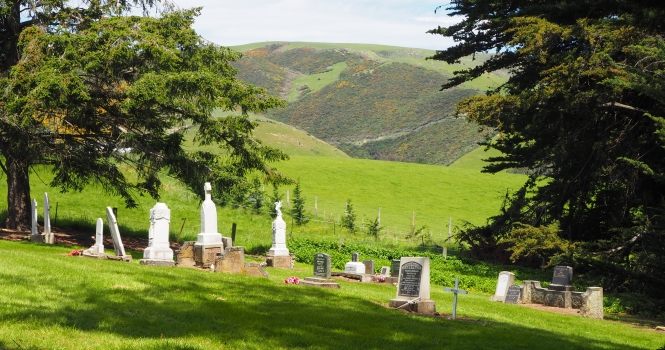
x=374 y=228
x=92 y=93
x=298 y=211
x=349 y=218
x=583 y=111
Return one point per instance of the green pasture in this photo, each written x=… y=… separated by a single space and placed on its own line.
x=316 y=81
x=54 y=301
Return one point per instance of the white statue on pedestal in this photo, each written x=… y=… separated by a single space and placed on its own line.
x=278 y=234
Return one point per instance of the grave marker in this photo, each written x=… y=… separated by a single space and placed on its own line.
x=410 y=278
x=562 y=275
x=278 y=234
x=355 y=257
x=369 y=266
x=455 y=291
x=48 y=236
x=158 y=252
x=394 y=271
x=322 y=263
x=34 y=232
x=115 y=233
x=505 y=280
x=514 y=295
x=385 y=271
x=413 y=286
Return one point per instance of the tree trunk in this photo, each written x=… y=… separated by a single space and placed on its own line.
x=18 y=193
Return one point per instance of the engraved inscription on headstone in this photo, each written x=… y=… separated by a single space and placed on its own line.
x=394 y=268
x=562 y=275
x=322 y=264
x=409 y=279
x=385 y=271
x=514 y=294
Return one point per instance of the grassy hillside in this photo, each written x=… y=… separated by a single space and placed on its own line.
x=368 y=96
x=440 y=143
x=392 y=98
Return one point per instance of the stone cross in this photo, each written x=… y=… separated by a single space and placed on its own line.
x=48 y=236
x=455 y=291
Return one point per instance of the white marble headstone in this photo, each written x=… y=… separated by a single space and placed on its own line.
x=115 y=232
x=48 y=236
x=505 y=280
x=355 y=267
x=99 y=236
x=278 y=234
x=33 y=229
x=158 y=244
x=209 y=232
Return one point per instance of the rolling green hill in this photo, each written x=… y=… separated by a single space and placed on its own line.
x=372 y=101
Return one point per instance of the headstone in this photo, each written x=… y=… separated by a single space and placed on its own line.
x=369 y=266
x=48 y=236
x=355 y=257
x=99 y=236
x=394 y=271
x=209 y=242
x=278 y=234
x=385 y=271
x=455 y=291
x=355 y=268
x=322 y=264
x=513 y=295
x=115 y=233
x=158 y=252
x=322 y=273
x=34 y=232
x=506 y=279
x=413 y=286
x=410 y=280
x=209 y=232
x=562 y=275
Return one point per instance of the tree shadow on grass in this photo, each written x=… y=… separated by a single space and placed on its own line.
x=171 y=306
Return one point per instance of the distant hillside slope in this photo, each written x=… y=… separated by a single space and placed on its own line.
x=372 y=101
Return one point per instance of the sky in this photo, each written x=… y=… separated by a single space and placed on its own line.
x=386 y=22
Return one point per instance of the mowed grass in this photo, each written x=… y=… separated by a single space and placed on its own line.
x=53 y=301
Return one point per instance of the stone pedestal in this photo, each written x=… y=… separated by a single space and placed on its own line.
x=592 y=305
x=282 y=262
x=205 y=253
x=159 y=251
x=232 y=260
x=185 y=255
x=427 y=307
x=320 y=282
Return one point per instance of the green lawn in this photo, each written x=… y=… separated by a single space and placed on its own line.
x=52 y=301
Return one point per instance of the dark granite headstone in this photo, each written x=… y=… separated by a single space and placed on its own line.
x=562 y=275
x=394 y=268
x=369 y=266
x=354 y=257
x=322 y=264
x=409 y=279
x=514 y=295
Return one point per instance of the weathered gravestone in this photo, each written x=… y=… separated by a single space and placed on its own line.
x=506 y=279
x=355 y=257
x=413 y=287
x=394 y=270
x=34 y=232
x=385 y=271
x=369 y=266
x=97 y=250
x=115 y=234
x=278 y=255
x=209 y=241
x=158 y=251
x=513 y=295
x=322 y=273
x=49 y=237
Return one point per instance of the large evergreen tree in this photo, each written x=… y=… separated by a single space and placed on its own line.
x=583 y=111
x=81 y=87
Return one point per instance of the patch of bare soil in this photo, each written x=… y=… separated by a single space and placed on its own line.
x=73 y=238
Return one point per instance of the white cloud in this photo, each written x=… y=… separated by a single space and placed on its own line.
x=389 y=22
